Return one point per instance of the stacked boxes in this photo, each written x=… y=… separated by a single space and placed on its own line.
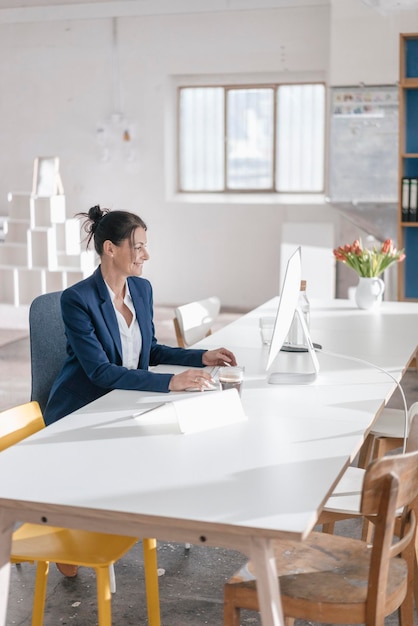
x=41 y=251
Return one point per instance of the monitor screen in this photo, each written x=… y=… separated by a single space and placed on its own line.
x=287 y=304
x=286 y=310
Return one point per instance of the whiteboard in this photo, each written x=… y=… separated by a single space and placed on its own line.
x=363 y=148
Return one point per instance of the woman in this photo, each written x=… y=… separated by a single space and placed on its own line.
x=108 y=320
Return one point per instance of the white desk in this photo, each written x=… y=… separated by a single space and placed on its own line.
x=238 y=486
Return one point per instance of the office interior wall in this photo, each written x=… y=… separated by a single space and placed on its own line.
x=318 y=265
x=59 y=84
x=364 y=43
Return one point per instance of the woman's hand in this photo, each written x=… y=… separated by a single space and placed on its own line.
x=220 y=356
x=191 y=379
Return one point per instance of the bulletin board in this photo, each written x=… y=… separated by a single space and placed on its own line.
x=363 y=149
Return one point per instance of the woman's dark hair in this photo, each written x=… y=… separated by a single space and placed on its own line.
x=104 y=224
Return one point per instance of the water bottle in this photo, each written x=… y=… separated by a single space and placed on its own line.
x=296 y=336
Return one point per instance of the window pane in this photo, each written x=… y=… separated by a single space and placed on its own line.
x=300 y=138
x=202 y=139
x=250 y=138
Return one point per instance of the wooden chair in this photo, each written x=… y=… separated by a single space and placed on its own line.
x=193 y=321
x=387 y=434
x=45 y=544
x=340 y=580
x=344 y=503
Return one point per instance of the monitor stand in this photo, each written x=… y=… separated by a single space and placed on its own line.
x=291 y=378
x=298 y=378
x=287 y=347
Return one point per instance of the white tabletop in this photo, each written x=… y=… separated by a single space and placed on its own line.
x=265 y=477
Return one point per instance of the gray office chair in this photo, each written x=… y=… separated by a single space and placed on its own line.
x=47 y=344
x=47 y=353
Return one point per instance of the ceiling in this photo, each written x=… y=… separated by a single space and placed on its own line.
x=47 y=10
x=40 y=10
x=161 y=5
x=176 y=5
x=387 y=6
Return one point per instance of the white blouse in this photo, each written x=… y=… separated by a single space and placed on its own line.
x=130 y=336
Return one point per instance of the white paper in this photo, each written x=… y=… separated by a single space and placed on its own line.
x=197 y=412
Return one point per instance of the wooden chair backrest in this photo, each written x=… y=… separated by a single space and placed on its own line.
x=390 y=485
x=412 y=441
x=179 y=334
x=19 y=422
x=193 y=321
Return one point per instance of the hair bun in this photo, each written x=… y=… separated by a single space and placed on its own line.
x=95 y=213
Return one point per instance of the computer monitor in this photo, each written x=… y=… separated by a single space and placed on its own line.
x=286 y=310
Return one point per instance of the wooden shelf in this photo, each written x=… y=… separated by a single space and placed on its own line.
x=408 y=162
x=409 y=83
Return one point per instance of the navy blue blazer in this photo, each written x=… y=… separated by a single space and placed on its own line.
x=94 y=363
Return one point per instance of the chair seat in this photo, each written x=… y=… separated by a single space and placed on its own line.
x=345 y=498
x=33 y=542
x=390 y=423
x=326 y=573
x=347 y=493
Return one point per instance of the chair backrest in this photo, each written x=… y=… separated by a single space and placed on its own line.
x=390 y=485
x=47 y=344
x=193 y=321
x=19 y=422
x=412 y=441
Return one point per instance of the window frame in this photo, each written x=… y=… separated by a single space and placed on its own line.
x=228 y=86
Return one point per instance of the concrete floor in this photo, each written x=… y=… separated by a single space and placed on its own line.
x=191 y=589
x=191 y=581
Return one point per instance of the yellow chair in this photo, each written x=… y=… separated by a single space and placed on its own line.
x=45 y=544
x=339 y=580
x=19 y=422
x=193 y=321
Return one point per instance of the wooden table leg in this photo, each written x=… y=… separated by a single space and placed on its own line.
x=265 y=571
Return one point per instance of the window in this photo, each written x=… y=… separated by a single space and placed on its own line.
x=252 y=138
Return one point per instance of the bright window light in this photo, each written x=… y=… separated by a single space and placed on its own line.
x=252 y=138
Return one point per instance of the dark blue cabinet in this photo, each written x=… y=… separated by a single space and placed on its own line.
x=408 y=167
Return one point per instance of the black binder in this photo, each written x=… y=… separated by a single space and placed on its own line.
x=405 y=198
x=413 y=199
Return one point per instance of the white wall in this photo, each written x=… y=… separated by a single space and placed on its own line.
x=57 y=85
x=364 y=43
